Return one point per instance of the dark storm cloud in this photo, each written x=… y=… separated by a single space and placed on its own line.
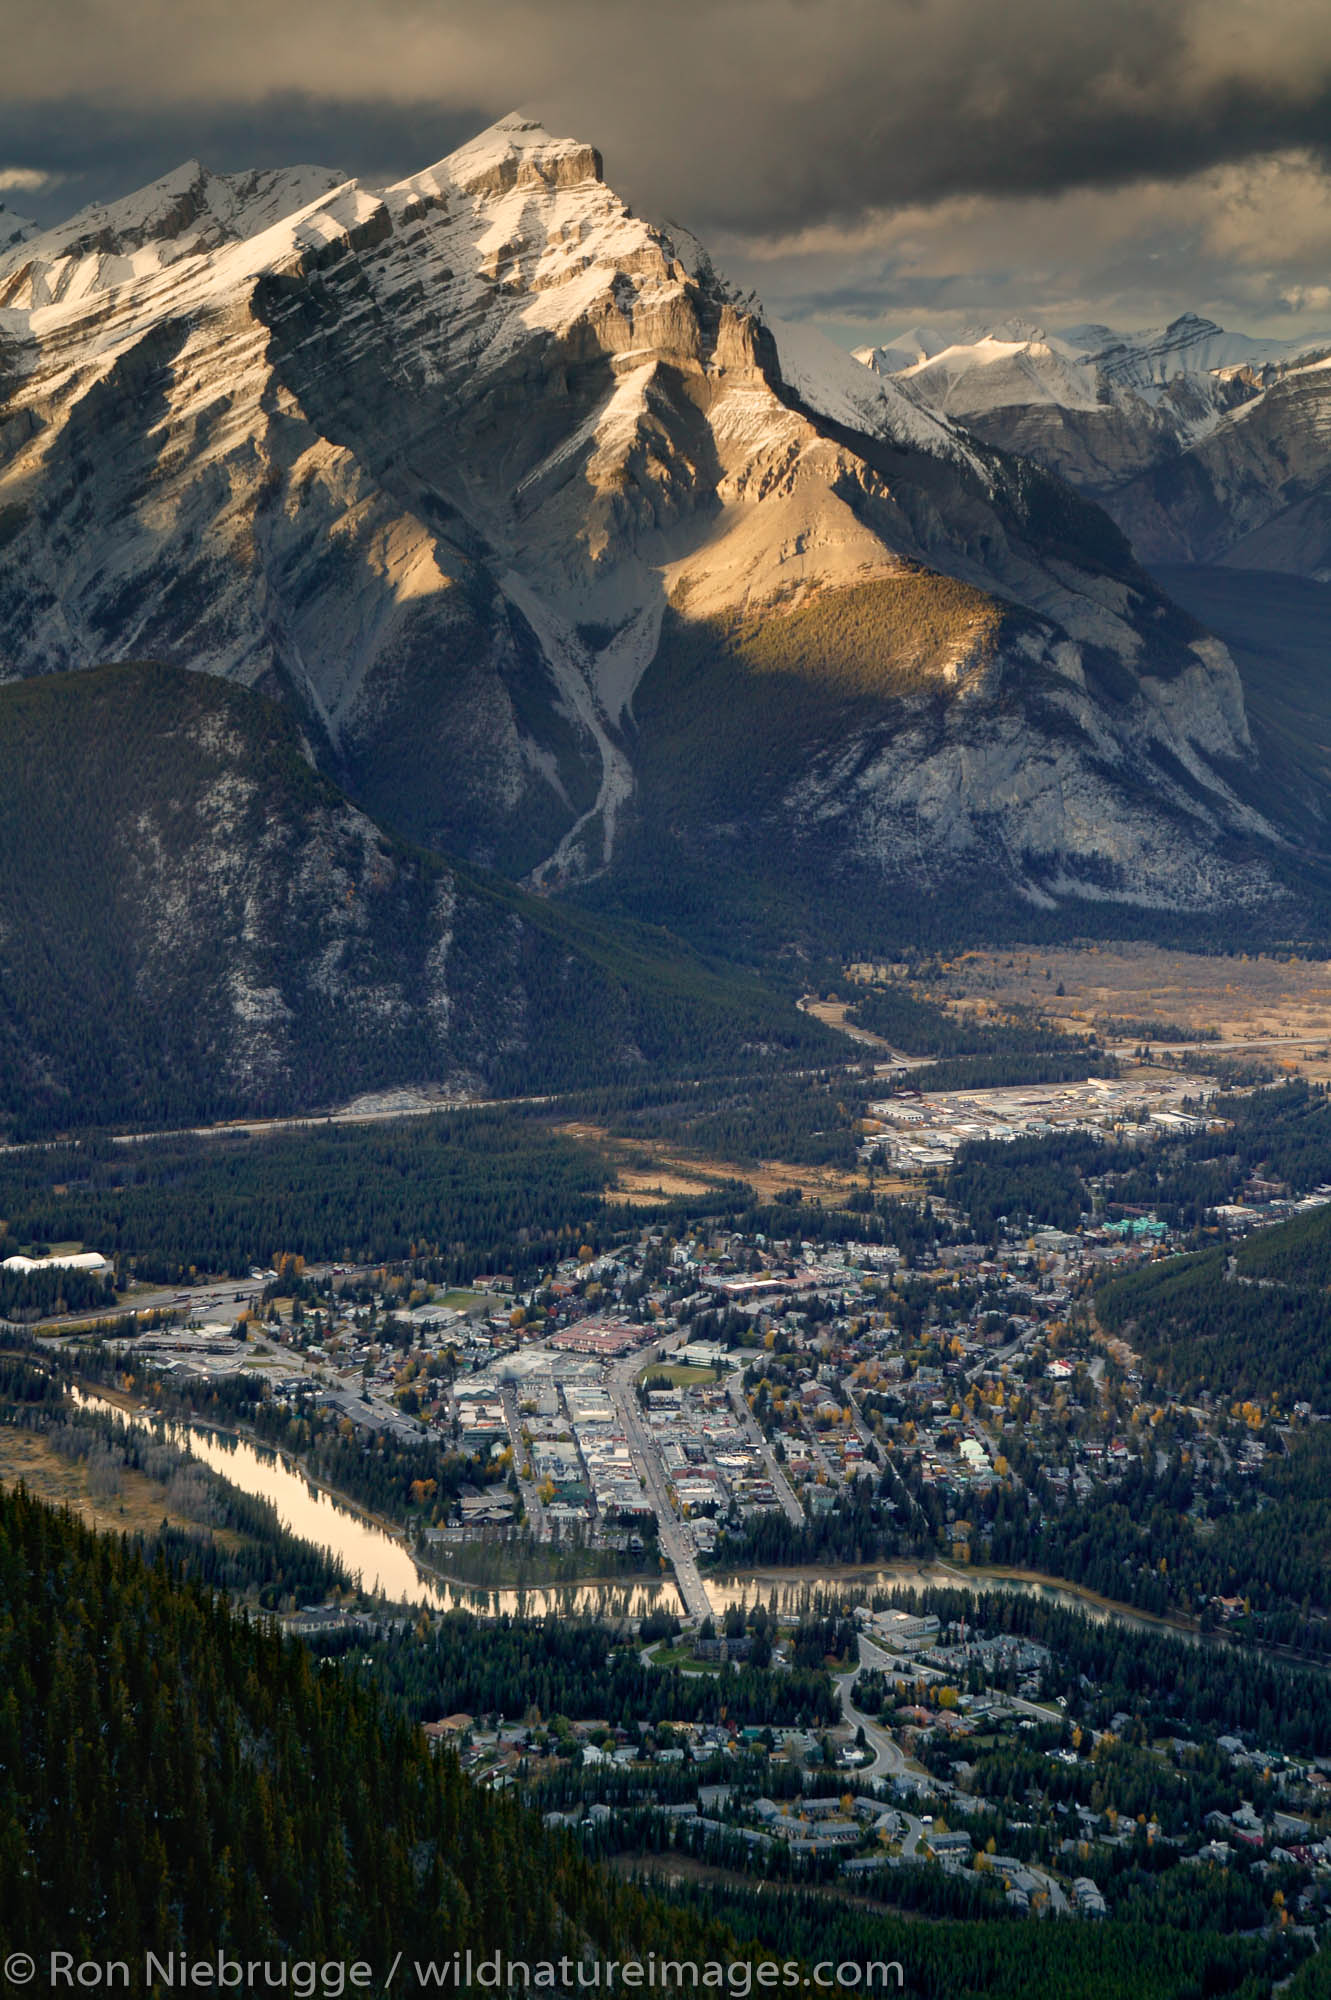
x=92 y=151
x=886 y=291
x=756 y=115
x=857 y=160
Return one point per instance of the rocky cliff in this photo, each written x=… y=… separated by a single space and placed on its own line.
x=475 y=470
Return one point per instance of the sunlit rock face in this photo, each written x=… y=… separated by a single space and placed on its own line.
x=457 y=466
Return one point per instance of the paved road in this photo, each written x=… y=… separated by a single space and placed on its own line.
x=222 y=1300
x=807 y=1004
x=1058 y=1902
x=860 y=1428
x=647 y=1461
x=999 y=1357
x=349 y=1114
x=917 y=1833
x=794 y=1513
x=358 y=1113
x=220 y=1297
x=1203 y=1049
x=1033 y=1708
x=537 y=1518
x=889 y=1759
x=383 y=1110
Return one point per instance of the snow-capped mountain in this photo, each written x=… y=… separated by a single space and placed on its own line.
x=14 y=229
x=1203 y=444
x=1150 y=360
x=188 y=214
x=906 y=350
x=509 y=494
x=992 y=369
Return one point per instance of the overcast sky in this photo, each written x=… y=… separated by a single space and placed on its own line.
x=870 y=164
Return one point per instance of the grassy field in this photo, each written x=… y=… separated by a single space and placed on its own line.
x=644 y=1170
x=676 y=1375
x=1284 y=1003
x=139 y=1506
x=682 y=1656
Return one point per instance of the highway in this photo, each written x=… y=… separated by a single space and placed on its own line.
x=1274 y=1043
x=223 y=1300
x=349 y=1114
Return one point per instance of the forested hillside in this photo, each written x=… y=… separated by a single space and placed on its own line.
x=560 y=1666
x=467 y=1191
x=172 y=1777
x=196 y=924
x=1251 y=1321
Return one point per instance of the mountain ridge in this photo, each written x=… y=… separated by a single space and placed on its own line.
x=1204 y=445
x=452 y=466
x=194 y=923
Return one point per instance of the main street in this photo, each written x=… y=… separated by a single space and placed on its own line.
x=647 y=1463
x=537 y=1518
x=790 y=1506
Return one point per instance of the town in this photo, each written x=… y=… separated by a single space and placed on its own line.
x=826 y=1462
x=958 y=1748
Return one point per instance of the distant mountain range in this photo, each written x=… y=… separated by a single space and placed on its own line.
x=575 y=565
x=1205 y=446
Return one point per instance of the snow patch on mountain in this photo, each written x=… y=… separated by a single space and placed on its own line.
x=442 y=458
x=1187 y=372
x=991 y=372
x=832 y=382
x=904 y=350
x=1204 y=444
x=188 y=213
x=14 y=229
x=1150 y=360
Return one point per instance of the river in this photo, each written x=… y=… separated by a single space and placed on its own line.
x=382 y=1562
x=792 y=1589
x=385 y=1565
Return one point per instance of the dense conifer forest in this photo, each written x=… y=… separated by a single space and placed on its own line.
x=175 y=1777
x=1010 y=1961
x=133 y=951
x=1252 y=1320
x=510 y=1667
x=455 y=1194
x=472 y=1191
